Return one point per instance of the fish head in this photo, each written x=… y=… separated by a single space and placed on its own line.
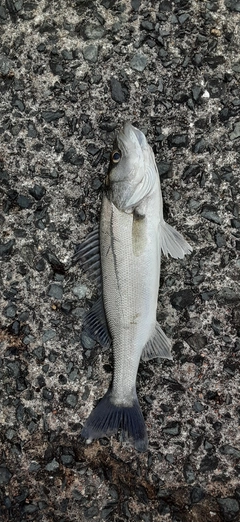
x=132 y=169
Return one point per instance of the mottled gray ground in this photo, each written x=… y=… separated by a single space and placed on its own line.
x=71 y=73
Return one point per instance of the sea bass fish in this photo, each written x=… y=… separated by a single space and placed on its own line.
x=124 y=256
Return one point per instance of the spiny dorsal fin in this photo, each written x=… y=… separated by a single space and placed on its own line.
x=87 y=254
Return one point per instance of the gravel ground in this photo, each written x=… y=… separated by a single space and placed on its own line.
x=70 y=74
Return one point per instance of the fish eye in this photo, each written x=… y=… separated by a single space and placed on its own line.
x=116 y=156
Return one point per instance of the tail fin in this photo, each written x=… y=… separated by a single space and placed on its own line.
x=107 y=419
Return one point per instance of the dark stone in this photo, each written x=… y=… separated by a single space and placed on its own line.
x=48 y=394
x=197 y=341
x=135 y=5
x=92 y=149
x=208 y=463
x=172 y=428
x=49 y=116
x=40 y=265
x=72 y=157
x=182 y=299
x=220 y=239
x=56 y=291
x=189 y=473
x=91 y=512
x=178 y=140
x=39 y=353
x=6 y=248
x=198 y=407
x=10 y=311
x=107 y=124
x=214 y=61
x=191 y=171
x=58 y=147
x=119 y=91
x=37 y=192
x=66 y=307
x=24 y=202
x=197 y=494
x=14 y=328
x=199 y=146
x=209 y=212
x=229 y=507
x=233 y=5
x=227 y=296
x=5 y=475
x=164 y=169
x=231 y=451
x=32 y=131
x=54 y=262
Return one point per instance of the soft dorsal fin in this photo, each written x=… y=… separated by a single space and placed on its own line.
x=157 y=346
x=172 y=242
x=87 y=254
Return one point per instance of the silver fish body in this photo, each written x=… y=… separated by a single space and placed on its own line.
x=132 y=235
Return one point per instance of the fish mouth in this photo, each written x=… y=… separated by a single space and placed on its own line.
x=130 y=134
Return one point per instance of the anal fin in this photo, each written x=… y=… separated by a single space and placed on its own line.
x=95 y=324
x=173 y=243
x=158 y=345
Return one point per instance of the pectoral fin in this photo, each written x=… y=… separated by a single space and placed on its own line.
x=173 y=243
x=157 y=346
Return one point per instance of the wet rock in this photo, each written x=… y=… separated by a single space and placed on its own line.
x=229 y=507
x=48 y=335
x=235 y=132
x=91 y=31
x=199 y=146
x=172 y=428
x=227 y=296
x=208 y=463
x=49 y=116
x=119 y=91
x=189 y=473
x=72 y=157
x=231 y=451
x=233 y=5
x=6 y=248
x=90 y=53
x=10 y=311
x=47 y=394
x=191 y=171
x=52 y=466
x=24 y=202
x=56 y=291
x=197 y=494
x=80 y=291
x=197 y=341
x=164 y=169
x=198 y=407
x=182 y=299
x=138 y=62
x=5 y=475
x=220 y=239
x=210 y=213
x=178 y=140
x=37 y=191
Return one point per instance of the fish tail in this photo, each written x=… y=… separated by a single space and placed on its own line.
x=107 y=419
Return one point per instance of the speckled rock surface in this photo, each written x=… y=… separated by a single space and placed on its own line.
x=70 y=74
